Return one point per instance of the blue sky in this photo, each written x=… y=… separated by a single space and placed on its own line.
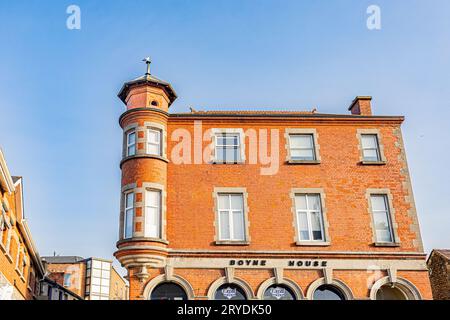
x=59 y=108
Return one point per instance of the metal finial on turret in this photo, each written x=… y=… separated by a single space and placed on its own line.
x=147 y=61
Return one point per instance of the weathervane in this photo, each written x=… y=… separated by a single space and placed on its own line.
x=147 y=61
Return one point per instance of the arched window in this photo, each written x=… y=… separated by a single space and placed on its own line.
x=229 y=291
x=168 y=291
x=278 y=292
x=328 y=292
x=387 y=292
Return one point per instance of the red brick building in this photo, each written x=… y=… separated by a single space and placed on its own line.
x=21 y=269
x=265 y=204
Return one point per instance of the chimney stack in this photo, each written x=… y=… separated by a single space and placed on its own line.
x=361 y=106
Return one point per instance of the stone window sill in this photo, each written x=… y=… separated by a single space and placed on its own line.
x=230 y=163
x=232 y=243
x=303 y=161
x=313 y=243
x=373 y=163
x=386 y=244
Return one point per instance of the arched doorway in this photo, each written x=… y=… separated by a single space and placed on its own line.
x=230 y=291
x=168 y=291
x=388 y=292
x=328 y=292
x=278 y=292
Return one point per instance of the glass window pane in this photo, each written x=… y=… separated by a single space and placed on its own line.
x=95 y=289
x=96 y=281
x=314 y=202
x=131 y=138
x=370 y=155
x=128 y=223
x=232 y=155
x=220 y=154
x=104 y=290
x=237 y=201
x=224 y=201
x=106 y=265
x=96 y=264
x=378 y=203
x=152 y=198
x=380 y=220
x=129 y=200
x=316 y=226
x=303 y=225
x=152 y=218
x=105 y=274
x=238 y=225
x=132 y=150
x=153 y=136
x=105 y=282
x=224 y=226
x=369 y=141
x=300 y=202
x=383 y=235
x=96 y=273
x=153 y=149
x=301 y=141
x=220 y=140
x=302 y=154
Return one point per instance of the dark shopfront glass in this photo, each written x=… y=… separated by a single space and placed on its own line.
x=327 y=292
x=168 y=291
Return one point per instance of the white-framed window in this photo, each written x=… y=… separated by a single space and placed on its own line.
x=67 y=280
x=154 y=142
x=152 y=227
x=302 y=147
x=131 y=143
x=381 y=218
x=228 y=148
x=231 y=216
x=370 y=147
x=128 y=215
x=308 y=208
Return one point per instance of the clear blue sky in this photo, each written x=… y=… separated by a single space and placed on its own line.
x=59 y=110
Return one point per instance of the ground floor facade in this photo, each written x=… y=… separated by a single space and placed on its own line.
x=282 y=276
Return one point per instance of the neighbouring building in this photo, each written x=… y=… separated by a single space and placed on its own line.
x=439 y=268
x=244 y=204
x=51 y=290
x=91 y=278
x=21 y=269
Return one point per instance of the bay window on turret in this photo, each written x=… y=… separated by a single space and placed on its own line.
x=152 y=211
x=154 y=146
x=131 y=143
x=128 y=215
